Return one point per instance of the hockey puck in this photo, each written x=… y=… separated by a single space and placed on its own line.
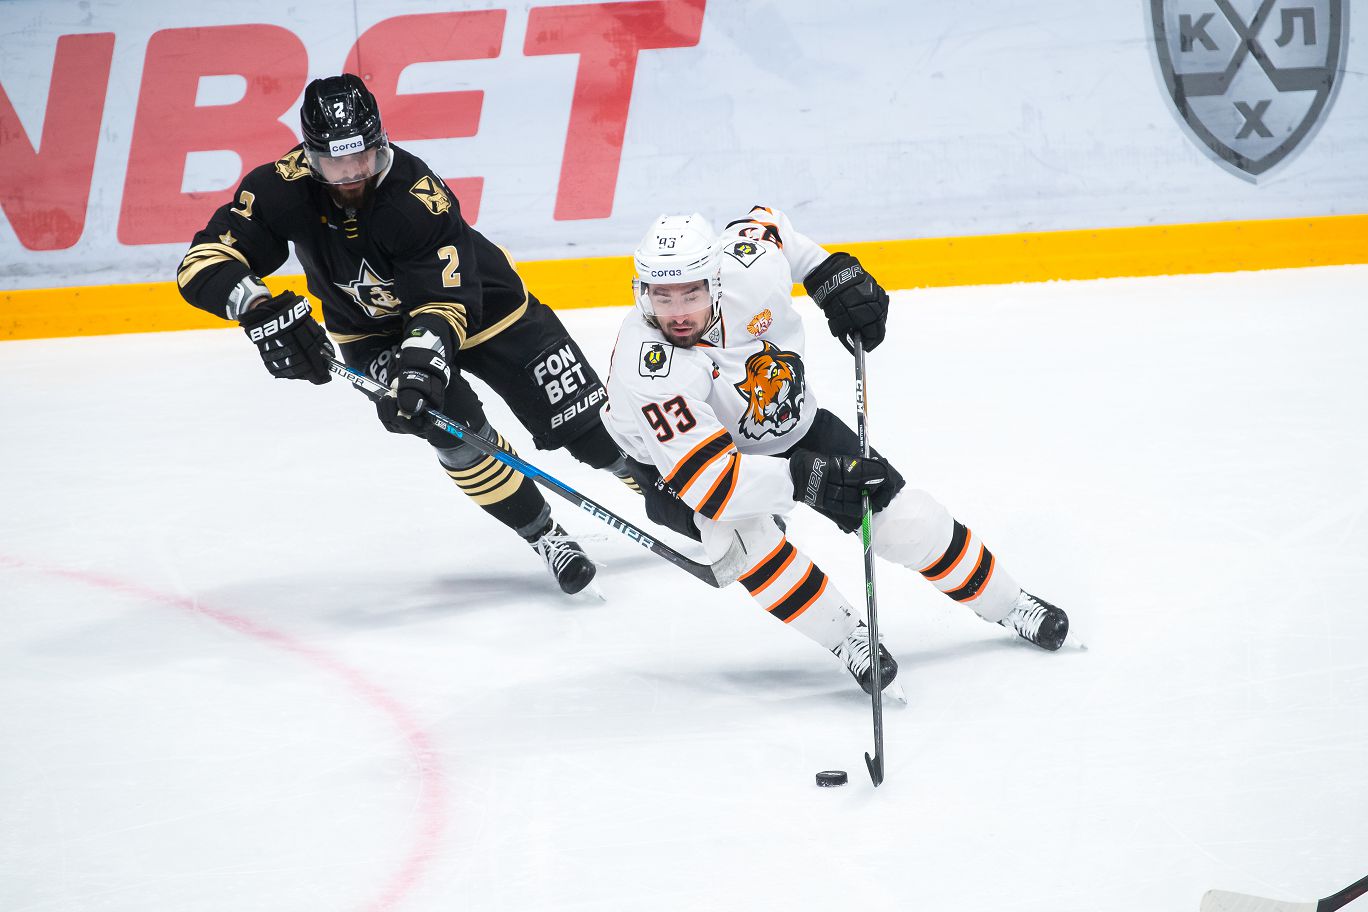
x=832 y=778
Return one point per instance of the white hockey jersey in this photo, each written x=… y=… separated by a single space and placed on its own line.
x=708 y=417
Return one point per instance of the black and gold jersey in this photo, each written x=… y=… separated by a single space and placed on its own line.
x=407 y=252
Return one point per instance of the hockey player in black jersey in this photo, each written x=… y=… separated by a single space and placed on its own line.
x=413 y=296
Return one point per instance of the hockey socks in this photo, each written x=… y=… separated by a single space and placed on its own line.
x=917 y=532
x=499 y=490
x=795 y=590
x=967 y=572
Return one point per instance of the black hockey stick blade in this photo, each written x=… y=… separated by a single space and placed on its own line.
x=720 y=573
x=1224 y=901
x=875 y=766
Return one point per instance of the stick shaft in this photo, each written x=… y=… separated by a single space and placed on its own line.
x=376 y=391
x=1343 y=897
x=1226 y=901
x=875 y=763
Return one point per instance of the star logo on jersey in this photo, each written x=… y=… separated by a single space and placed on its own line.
x=655 y=359
x=745 y=252
x=292 y=167
x=431 y=194
x=371 y=292
x=228 y=238
x=760 y=323
x=774 y=392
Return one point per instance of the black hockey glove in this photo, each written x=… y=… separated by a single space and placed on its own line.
x=662 y=506
x=853 y=302
x=831 y=485
x=292 y=344
x=421 y=375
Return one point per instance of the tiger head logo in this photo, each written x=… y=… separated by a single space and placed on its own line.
x=773 y=390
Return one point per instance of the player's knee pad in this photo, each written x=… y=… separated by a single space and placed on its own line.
x=494 y=485
x=464 y=455
x=913 y=530
x=594 y=447
x=486 y=480
x=662 y=506
x=758 y=536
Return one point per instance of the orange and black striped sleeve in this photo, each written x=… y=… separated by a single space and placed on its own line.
x=698 y=460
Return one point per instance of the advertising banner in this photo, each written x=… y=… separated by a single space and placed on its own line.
x=564 y=128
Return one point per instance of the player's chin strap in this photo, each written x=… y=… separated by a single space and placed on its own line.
x=721 y=573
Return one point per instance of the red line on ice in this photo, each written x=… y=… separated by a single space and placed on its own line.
x=432 y=803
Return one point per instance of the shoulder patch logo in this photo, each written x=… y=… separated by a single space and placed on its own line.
x=655 y=359
x=431 y=194
x=760 y=323
x=292 y=167
x=716 y=335
x=745 y=252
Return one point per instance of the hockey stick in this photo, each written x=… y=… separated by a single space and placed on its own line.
x=1221 y=901
x=875 y=763
x=721 y=573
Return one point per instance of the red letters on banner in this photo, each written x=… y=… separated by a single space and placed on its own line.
x=607 y=37
x=45 y=186
x=424 y=38
x=169 y=125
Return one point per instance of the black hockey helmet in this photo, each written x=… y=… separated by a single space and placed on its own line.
x=344 y=140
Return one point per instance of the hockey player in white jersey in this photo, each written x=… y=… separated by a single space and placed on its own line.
x=708 y=395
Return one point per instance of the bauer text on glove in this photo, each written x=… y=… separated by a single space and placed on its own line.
x=853 y=302
x=833 y=484
x=421 y=376
x=292 y=344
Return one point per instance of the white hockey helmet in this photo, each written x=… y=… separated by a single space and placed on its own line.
x=677 y=249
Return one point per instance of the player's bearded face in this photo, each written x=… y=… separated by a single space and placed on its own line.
x=350 y=178
x=683 y=311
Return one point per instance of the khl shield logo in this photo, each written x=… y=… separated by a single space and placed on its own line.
x=1251 y=80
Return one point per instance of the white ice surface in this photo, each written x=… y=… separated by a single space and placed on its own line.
x=258 y=654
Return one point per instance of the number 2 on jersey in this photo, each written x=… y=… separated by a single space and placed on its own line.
x=655 y=415
x=245 y=199
x=451 y=275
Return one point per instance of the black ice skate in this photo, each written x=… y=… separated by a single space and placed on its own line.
x=1037 y=621
x=854 y=651
x=566 y=560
